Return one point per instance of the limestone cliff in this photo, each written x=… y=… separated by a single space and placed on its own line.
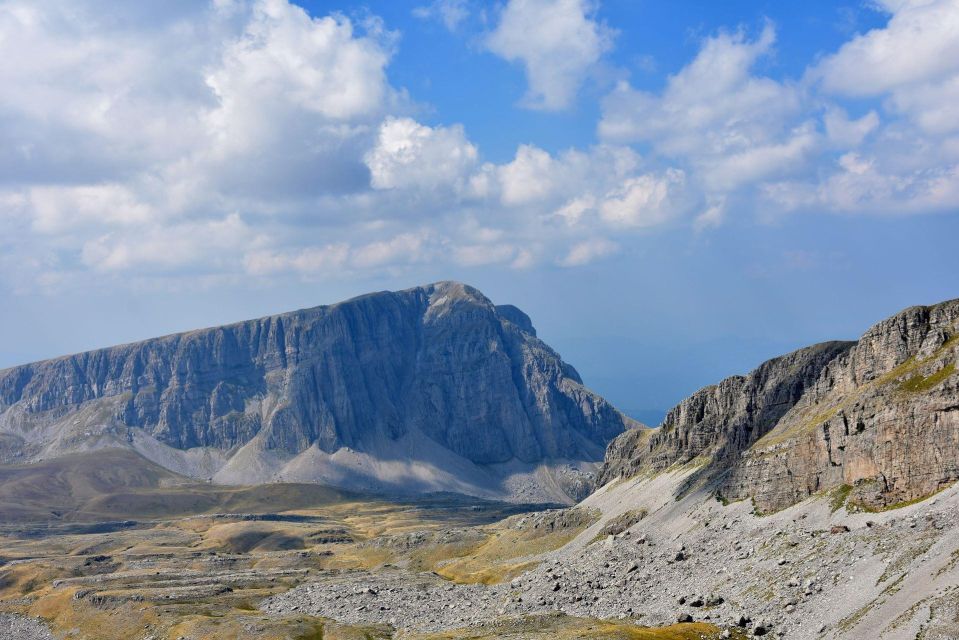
x=880 y=415
x=428 y=388
x=721 y=421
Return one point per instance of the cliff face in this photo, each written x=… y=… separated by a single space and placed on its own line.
x=880 y=414
x=439 y=362
x=722 y=421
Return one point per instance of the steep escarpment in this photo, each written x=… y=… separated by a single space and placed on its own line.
x=882 y=418
x=719 y=422
x=880 y=415
x=431 y=388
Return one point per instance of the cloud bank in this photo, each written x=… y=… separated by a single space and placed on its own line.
x=247 y=138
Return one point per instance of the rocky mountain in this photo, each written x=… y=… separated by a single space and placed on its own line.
x=432 y=388
x=878 y=418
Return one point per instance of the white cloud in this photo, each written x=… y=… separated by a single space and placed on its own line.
x=450 y=12
x=733 y=127
x=137 y=129
x=557 y=41
x=644 y=201
x=588 y=251
x=712 y=217
x=761 y=161
x=918 y=45
x=328 y=259
x=404 y=248
x=247 y=137
x=286 y=61
x=170 y=247
x=904 y=161
x=61 y=208
x=408 y=154
x=865 y=185
x=845 y=132
x=576 y=209
x=531 y=176
x=712 y=105
x=914 y=60
x=535 y=176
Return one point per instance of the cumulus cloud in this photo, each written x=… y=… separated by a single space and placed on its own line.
x=918 y=45
x=732 y=126
x=137 y=134
x=866 y=184
x=206 y=139
x=557 y=42
x=643 y=201
x=904 y=161
x=914 y=60
x=62 y=208
x=409 y=154
x=534 y=176
x=404 y=248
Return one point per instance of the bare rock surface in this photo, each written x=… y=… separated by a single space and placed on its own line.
x=17 y=627
x=880 y=415
x=431 y=388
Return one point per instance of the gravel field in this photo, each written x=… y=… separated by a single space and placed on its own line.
x=14 y=627
x=805 y=572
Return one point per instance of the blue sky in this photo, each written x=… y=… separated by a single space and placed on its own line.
x=673 y=191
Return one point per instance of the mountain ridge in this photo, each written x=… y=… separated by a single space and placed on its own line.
x=896 y=385
x=329 y=394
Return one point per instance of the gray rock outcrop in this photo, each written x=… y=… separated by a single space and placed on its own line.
x=880 y=415
x=385 y=377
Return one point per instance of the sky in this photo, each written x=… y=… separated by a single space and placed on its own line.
x=674 y=192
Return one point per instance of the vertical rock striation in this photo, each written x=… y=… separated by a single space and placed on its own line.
x=439 y=361
x=880 y=414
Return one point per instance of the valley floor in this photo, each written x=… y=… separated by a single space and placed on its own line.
x=639 y=559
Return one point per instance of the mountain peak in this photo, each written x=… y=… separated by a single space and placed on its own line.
x=430 y=388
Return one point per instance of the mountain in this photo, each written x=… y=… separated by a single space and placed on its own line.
x=433 y=388
x=878 y=418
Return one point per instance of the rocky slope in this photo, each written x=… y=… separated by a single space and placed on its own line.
x=814 y=570
x=432 y=388
x=879 y=416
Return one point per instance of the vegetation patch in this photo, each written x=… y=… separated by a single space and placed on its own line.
x=514 y=544
x=838 y=497
x=919 y=383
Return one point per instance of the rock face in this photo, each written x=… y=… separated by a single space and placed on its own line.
x=429 y=384
x=880 y=415
x=721 y=421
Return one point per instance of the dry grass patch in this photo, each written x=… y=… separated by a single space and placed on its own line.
x=513 y=545
x=560 y=627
